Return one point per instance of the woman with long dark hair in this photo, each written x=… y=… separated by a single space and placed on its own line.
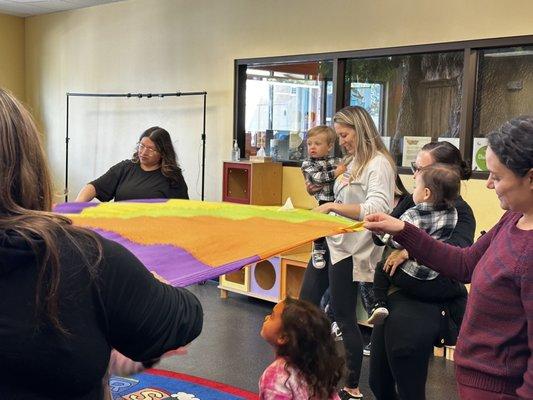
x=402 y=346
x=152 y=172
x=69 y=295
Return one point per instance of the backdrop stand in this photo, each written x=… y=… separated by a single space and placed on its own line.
x=139 y=96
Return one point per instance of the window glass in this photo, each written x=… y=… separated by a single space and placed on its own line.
x=504 y=90
x=413 y=99
x=282 y=103
x=370 y=97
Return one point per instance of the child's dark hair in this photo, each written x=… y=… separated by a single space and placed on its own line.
x=444 y=181
x=310 y=348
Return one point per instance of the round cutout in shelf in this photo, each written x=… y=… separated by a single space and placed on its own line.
x=265 y=275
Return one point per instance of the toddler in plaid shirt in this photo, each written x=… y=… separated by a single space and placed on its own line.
x=320 y=170
x=307 y=364
x=437 y=186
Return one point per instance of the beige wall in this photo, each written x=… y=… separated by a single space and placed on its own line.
x=157 y=45
x=12 y=54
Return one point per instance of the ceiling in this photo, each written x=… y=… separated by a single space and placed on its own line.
x=26 y=8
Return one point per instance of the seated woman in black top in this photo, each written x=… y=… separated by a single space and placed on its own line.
x=69 y=295
x=152 y=173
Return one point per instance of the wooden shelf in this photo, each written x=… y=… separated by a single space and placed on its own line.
x=292 y=274
x=247 y=182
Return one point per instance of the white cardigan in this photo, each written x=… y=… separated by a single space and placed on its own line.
x=374 y=192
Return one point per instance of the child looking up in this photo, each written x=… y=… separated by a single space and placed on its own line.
x=307 y=364
x=320 y=171
x=436 y=188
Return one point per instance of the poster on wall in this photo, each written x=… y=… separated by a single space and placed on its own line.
x=452 y=140
x=411 y=146
x=479 y=151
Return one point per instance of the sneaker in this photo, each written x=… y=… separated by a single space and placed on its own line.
x=366 y=349
x=318 y=259
x=344 y=395
x=378 y=314
x=336 y=332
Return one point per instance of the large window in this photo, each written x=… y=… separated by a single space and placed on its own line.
x=456 y=92
x=504 y=90
x=282 y=103
x=413 y=99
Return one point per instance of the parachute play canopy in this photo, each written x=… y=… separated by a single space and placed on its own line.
x=188 y=241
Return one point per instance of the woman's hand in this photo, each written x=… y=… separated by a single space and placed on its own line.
x=381 y=223
x=159 y=277
x=312 y=188
x=394 y=260
x=180 y=351
x=325 y=208
x=341 y=169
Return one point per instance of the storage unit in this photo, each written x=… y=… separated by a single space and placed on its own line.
x=292 y=273
x=237 y=281
x=271 y=279
x=247 y=182
x=265 y=279
x=256 y=183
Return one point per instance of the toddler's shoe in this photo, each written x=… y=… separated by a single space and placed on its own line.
x=378 y=314
x=367 y=348
x=344 y=395
x=318 y=259
x=336 y=332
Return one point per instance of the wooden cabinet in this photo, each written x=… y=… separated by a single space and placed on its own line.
x=252 y=183
x=247 y=182
x=292 y=273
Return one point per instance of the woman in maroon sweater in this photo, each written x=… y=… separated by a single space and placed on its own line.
x=494 y=349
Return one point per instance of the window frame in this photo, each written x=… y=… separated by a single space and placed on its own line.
x=470 y=49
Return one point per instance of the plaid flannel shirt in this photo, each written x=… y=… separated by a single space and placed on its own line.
x=438 y=224
x=321 y=171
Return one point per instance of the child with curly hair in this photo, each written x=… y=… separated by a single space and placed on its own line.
x=307 y=364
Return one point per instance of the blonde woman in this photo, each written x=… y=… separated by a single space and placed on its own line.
x=366 y=187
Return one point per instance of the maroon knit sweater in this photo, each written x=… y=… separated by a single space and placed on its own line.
x=496 y=338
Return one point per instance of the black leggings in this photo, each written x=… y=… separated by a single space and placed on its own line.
x=339 y=277
x=401 y=348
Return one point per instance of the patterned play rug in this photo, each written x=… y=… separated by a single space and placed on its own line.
x=159 y=384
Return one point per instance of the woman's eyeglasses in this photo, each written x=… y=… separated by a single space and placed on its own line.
x=148 y=150
x=414 y=168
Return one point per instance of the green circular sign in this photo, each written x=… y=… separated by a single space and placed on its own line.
x=481 y=161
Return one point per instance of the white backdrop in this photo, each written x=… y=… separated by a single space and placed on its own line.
x=104 y=131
